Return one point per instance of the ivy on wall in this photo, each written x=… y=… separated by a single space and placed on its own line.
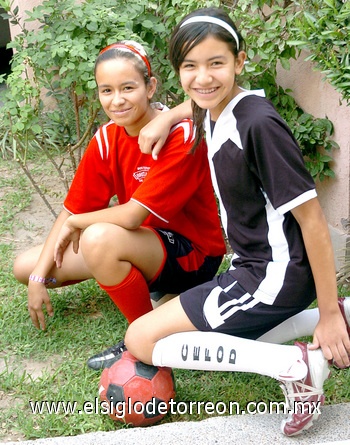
x=323 y=28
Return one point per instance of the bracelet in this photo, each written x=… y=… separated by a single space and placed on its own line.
x=42 y=280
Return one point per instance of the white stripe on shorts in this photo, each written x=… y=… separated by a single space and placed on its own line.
x=216 y=314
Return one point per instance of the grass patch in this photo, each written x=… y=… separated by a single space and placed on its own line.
x=13 y=199
x=85 y=322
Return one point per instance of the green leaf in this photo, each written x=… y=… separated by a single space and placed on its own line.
x=92 y=26
x=285 y=63
x=36 y=129
x=325 y=158
x=147 y=24
x=296 y=42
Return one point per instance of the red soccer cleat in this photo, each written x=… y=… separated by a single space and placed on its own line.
x=305 y=397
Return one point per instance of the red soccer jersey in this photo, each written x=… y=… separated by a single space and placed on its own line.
x=176 y=189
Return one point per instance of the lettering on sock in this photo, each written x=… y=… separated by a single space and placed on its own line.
x=196 y=353
x=219 y=354
x=207 y=357
x=184 y=352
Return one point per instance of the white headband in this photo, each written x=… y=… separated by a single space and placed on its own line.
x=215 y=21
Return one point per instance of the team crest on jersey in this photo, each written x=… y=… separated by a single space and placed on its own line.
x=141 y=173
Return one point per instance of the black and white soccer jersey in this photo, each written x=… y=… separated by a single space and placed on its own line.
x=259 y=175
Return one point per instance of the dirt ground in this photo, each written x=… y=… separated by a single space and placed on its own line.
x=31 y=225
x=34 y=224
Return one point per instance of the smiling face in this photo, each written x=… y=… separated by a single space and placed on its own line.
x=208 y=73
x=124 y=94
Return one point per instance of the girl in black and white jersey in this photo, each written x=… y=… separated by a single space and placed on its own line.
x=283 y=257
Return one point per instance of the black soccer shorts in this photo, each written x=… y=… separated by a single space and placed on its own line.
x=173 y=279
x=223 y=305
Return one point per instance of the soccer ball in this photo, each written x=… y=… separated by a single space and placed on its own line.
x=135 y=393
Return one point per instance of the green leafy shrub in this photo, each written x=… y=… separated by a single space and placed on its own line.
x=322 y=28
x=50 y=105
x=268 y=27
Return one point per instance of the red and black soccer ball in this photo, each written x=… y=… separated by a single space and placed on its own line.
x=135 y=393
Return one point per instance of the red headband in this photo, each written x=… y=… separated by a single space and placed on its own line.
x=130 y=48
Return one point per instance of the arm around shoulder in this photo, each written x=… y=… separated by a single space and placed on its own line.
x=152 y=137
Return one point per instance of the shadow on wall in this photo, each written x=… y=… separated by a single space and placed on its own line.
x=5 y=58
x=5 y=38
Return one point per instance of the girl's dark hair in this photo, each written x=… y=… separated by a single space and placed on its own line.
x=187 y=37
x=139 y=57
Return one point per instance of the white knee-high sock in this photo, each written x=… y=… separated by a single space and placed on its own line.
x=300 y=325
x=213 y=351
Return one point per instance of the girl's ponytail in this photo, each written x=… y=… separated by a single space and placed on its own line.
x=198 y=121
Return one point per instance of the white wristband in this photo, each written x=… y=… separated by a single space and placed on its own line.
x=42 y=280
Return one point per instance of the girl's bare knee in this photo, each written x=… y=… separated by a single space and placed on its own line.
x=132 y=335
x=136 y=340
x=97 y=236
x=25 y=262
x=20 y=269
x=93 y=234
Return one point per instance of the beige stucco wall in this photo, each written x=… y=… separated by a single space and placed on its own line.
x=320 y=99
x=24 y=5
x=317 y=97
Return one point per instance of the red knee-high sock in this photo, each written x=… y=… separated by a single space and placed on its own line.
x=131 y=296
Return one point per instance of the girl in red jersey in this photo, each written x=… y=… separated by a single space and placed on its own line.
x=163 y=236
